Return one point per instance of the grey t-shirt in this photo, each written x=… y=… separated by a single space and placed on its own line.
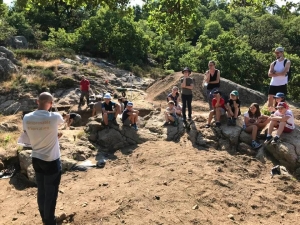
x=189 y=81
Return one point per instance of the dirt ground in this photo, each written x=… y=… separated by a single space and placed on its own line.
x=163 y=183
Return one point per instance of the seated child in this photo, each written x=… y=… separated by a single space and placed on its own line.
x=279 y=97
x=283 y=120
x=175 y=97
x=254 y=121
x=170 y=114
x=233 y=108
x=130 y=116
x=218 y=104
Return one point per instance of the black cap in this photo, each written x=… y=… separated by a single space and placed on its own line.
x=217 y=92
x=186 y=69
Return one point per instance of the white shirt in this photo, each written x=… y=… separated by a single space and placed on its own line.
x=290 y=122
x=280 y=80
x=41 y=127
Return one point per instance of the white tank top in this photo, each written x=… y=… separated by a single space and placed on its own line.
x=281 y=80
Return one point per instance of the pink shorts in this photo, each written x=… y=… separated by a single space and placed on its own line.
x=285 y=129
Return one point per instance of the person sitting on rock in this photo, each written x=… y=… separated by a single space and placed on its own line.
x=170 y=114
x=233 y=108
x=279 y=97
x=130 y=116
x=283 y=120
x=218 y=104
x=97 y=108
x=253 y=122
x=110 y=110
x=73 y=119
x=174 y=96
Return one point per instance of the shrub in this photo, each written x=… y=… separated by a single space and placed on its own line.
x=28 y=53
x=48 y=74
x=65 y=82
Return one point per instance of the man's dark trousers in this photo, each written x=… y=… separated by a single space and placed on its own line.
x=48 y=175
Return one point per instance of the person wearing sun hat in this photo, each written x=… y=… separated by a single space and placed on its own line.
x=187 y=85
x=110 y=110
x=278 y=72
x=233 y=108
x=279 y=97
x=283 y=120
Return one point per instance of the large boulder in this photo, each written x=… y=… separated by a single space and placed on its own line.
x=18 y=42
x=6 y=68
x=287 y=152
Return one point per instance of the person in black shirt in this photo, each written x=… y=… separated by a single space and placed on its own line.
x=110 y=110
x=212 y=78
x=187 y=85
x=73 y=119
x=233 y=108
x=130 y=116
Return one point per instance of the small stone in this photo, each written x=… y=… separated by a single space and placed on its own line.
x=219 y=169
x=290 y=211
x=230 y=216
x=105 y=184
x=61 y=217
x=165 y=183
x=282 y=215
x=195 y=207
x=172 y=170
x=157 y=197
x=190 y=171
x=84 y=204
x=61 y=191
x=14 y=218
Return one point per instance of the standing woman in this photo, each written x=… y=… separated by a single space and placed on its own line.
x=212 y=78
x=187 y=85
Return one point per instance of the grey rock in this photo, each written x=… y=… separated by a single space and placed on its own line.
x=10 y=127
x=18 y=42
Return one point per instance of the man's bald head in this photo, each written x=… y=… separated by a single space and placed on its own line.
x=44 y=99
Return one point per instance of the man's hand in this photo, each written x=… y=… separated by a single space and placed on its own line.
x=59 y=134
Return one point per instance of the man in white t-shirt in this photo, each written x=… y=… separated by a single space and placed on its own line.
x=41 y=127
x=278 y=71
x=283 y=120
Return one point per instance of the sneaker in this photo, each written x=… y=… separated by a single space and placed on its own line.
x=255 y=145
x=229 y=122
x=189 y=119
x=134 y=126
x=275 y=140
x=234 y=122
x=218 y=124
x=207 y=126
x=268 y=139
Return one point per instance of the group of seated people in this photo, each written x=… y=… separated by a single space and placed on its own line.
x=281 y=116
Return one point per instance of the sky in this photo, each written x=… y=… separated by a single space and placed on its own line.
x=140 y=2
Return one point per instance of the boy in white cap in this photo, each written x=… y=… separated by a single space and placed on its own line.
x=130 y=116
x=110 y=110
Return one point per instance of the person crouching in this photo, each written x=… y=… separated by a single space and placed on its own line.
x=170 y=113
x=130 y=116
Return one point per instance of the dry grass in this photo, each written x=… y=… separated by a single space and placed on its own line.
x=41 y=64
x=8 y=139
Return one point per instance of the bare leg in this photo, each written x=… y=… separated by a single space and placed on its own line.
x=253 y=130
x=210 y=116
x=271 y=126
x=105 y=118
x=270 y=100
x=280 y=128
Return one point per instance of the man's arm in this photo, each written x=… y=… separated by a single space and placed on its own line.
x=271 y=72
x=286 y=69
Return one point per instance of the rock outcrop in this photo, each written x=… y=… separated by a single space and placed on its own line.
x=18 y=42
x=7 y=63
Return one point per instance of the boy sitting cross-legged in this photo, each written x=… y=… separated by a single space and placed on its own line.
x=170 y=114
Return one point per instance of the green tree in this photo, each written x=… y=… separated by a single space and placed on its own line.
x=212 y=29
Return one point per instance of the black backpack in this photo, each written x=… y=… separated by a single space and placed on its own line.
x=289 y=73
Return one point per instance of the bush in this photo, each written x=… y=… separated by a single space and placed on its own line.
x=28 y=53
x=65 y=82
x=48 y=74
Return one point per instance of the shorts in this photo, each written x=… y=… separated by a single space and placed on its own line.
x=273 y=90
x=222 y=111
x=127 y=122
x=285 y=129
x=111 y=116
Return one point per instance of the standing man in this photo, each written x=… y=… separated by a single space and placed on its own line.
x=278 y=71
x=187 y=85
x=41 y=127
x=84 y=88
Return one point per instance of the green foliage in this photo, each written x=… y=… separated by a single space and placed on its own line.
x=212 y=29
x=65 y=82
x=48 y=74
x=28 y=53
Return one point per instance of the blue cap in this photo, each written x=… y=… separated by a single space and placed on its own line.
x=130 y=104
x=279 y=95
